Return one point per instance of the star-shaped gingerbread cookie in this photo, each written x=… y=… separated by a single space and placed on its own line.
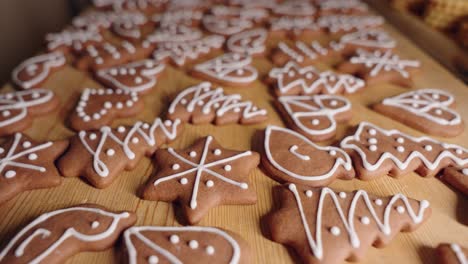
x=26 y=165
x=201 y=177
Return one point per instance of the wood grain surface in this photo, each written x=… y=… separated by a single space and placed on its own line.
x=447 y=224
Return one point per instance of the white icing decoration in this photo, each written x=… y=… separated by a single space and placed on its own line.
x=329 y=81
x=337 y=23
x=174 y=33
x=343 y=5
x=193 y=244
x=210 y=250
x=108 y=134
x=20 y=102
x=127 y=24
x=339 y=162
x=250 y=42
x=180 y=16
x=426 y=104
x=369 y=38
x=174 y=239
x=384 y=225
x=294 y=8
x=386 y=61
x=145 y=80
x=295 y=25
x=226 y=66
x=46 y=62
x=309 y=110
x=138 y=233
x=69 y=233
x=12 y=156
x=72 y=38
x=293 y=150
x=214 y=100
x=335 y=231
x=301 y=50
x=365 y=220
x=461 y=257
x=201 y=167
x=447 y=153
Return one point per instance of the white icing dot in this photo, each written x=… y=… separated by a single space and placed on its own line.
x=32 y=156
x=110 y=152
x=309 y=193
x=210 y=250
x=291 y=74
x=92 y=136
x=378 y=202
x=309 y=75
x=315 y=122
x=96 y=116
x=342 y=195
x=335 y=231
x=153 y=260
x=400 y=149
x=168 y=123
x=174 y=239
x=365 y=220
x=1 y=150
x=6 y=113
x=94 y=224
x=415 y=105
x=175 y=166
x=119 y=105
x=193 y=154
x=183 y=181
x=400 y=209
x=465 y=172
x=10 y=174
x=373 y=148
x=438 y=111
x=332 y=152
x=121 y=129
x=193 y=244
x=372 y=141
x=108 y=105
x=183 y=101
x=135 y=140
x=26 y=144
x=227 y=168
x=244 y=186
x=372 y=132
x=435 y=96
x=400 y=140
x=334 y=103
x=217 y=152
x=428 y=147
x=459 y=151
x=209 y=184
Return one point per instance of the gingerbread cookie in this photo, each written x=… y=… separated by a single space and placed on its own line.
x=138 y=77
x=33 y=72
x=339 y=24
x=174 y=33
x=456 y=177
x=315 y=116
x=230 y=69
x=294 y=27
x=378 y=66
x=452 y=254
x=225 y=25
x=201 y=104
x=201 y=177
x=326 y=226
x=99 y=107
x=376 y=152
x=128 y=25
x=27 y=165
x=108 y=55
x=293 y=79
x=55 y=236
x=367 y=39
x=75 y=40
x=101 y=155
x=250 y=42
x=18 y=109
x=428 y=110
x=180 y=53
x=94 y=20
x=190 y=244
x=291 y=157
x=302 y=53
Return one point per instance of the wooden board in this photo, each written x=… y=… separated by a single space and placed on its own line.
x=449 y=207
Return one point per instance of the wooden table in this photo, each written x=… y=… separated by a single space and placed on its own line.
x=449 y=207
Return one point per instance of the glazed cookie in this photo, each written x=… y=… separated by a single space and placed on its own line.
x=33 y=72
x=326 y=226
x=99 y=107
x=340 y=24
x=302 y=53
x=377 y=66
x=75 y=40
x=226 y=20
x=138 y=77
x=180 y=53
x=452 y=254
x=376 y=152
x=427 y=110
x=294 y=27
x=27 y=165
x=315 y=116
x=101 y=155
x=129 y=25
x=201 y=177
x=55 y=236
x=456 y=177
x=108 y=55
x=293 y=79
x=230 y=69
x=250 y=42
x=174 y=33
x=291 y=157
x=367 y=39
x=190 y=244
x=201 y=104
x=18 y=109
